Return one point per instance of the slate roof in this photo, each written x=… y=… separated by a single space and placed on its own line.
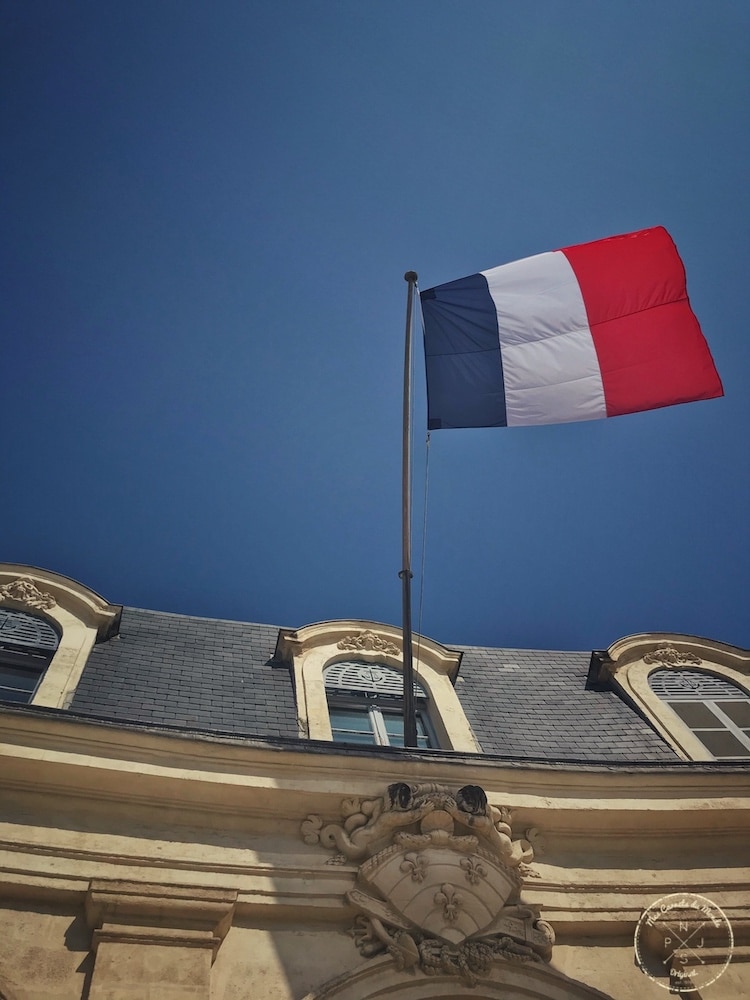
x=531 y=703
x=220 y=677
x=200 y=673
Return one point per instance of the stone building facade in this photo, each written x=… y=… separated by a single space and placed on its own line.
x=219 y=810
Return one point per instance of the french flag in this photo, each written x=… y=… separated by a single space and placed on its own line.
x=588 y=331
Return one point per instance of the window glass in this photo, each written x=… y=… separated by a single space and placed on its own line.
x=716 y=710
x=351 y=726
x=365 y=705
x=738 y=712
x=345 y=736
x=350 y=719
x=15 y=678
x=27 y=645
x=394 y=725
x=695 y=714
x=17 y=685
x=723 y=744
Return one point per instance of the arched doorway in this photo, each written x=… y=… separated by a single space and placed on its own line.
x=379 y=979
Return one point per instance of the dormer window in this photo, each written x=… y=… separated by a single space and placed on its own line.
x=694 y=692
x=48 y=626
x=348 y=684
x=365 y=705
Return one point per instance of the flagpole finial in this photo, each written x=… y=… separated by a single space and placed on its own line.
x=411 y=276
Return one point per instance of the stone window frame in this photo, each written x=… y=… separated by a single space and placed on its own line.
x=631 y=660
x=309 y=650
x=81 y=617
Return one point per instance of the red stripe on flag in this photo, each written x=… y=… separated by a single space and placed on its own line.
x=648 y=341
x=654 y=358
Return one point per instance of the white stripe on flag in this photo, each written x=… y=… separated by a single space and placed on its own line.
x=550 y=367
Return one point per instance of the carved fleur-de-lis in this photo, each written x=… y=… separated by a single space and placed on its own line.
x=474 y=869
x=415 y=865
x=450 y=900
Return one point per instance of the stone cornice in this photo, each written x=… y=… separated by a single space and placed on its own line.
x=106 y=765
x=206 y=821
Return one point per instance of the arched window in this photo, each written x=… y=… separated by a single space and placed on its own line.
x=365 y=705
x=714 y=709
x=27 y=645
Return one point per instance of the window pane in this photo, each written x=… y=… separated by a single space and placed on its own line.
x=350 y=718
x=695 y=714
x=372 y=724
x=24 y=680
x=723 y=744
x=394 y=723
x=342 y=736
x=738 y=712
x=351 y=725
x=394 y=726
x=10 y=694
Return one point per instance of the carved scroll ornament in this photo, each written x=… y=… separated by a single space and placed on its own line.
x=369 y=641
x=439 y=879
x=25 y=591
x=668 y=656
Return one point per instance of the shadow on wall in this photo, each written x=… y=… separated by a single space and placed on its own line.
x=47 y=950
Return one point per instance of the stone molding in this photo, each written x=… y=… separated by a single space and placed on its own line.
x=439 y=879
x=242 y=804
x=226 y=780
x=135 y=912
x=635 y=648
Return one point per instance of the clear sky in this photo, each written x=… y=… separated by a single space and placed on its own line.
x=208 y=209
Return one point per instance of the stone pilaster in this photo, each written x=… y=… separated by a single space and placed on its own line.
x=155 y=941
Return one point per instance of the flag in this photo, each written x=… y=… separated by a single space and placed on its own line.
x=589 y=331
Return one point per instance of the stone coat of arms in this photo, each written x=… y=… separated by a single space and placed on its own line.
x=439 y=879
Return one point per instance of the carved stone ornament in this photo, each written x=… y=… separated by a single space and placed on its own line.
x=439 y=879
x=26 y=592
x=668 y=656
x=369 y=641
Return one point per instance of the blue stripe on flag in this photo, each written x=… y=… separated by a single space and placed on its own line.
x=462 y=353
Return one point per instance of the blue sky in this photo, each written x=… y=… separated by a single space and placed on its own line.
x=208 y=211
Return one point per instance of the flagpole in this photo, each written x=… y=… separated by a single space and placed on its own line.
x=410 y=719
